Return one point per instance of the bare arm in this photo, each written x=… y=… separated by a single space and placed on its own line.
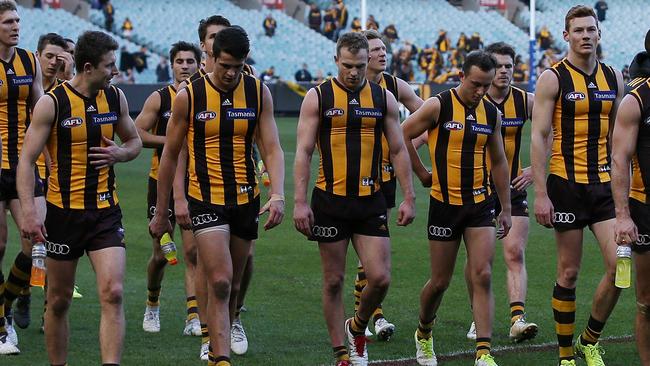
x=501 y=176
x=308 y=124
x=619 y=96
x=37 y=84
x=525 y=179
x=181 y=209
x=415 y=126
x=626 y=131
x=408 y=97
x=147 y=119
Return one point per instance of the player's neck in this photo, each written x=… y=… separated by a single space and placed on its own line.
x=83 y=86
x=374 y=76
x=209 y=64
x=498 y=94
x=48 y=81
x=586 y=63
x=6 y=52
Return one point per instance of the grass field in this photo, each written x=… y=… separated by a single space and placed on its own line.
x=284 y=321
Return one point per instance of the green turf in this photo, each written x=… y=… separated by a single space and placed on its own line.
x=284 y=323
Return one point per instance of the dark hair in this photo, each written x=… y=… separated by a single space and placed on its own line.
x=579 y=11
x=233 y=41
x=184 y=46
x=371 y=34
x=480 y=59
x=7 y=5
x=353 y=41
x=501 y=48
x=211 y=20
x=91 y=47
x=50 y=38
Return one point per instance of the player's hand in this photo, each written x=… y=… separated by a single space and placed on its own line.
x=523 y=180
x=67 y=63
x=406 y=212
x=33 y=228
x=504 y=223
x=182 y=213
x=105 y=156
x=159 y=225
x=544 y=211
x=303 y=218
x=275 y=207
x=625 y=232
x=426 y=179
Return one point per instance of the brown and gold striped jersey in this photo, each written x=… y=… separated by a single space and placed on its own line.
x=220 y=141
x=388 y=82
x=457 y=147
x=581 y=121
x=79 y=124
x=640 y=188
x=349 y=138
x=167 y=95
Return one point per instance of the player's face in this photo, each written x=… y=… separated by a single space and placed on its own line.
x=475 y=84
x=583 y=35
x=184 y=65
x=9 y=28
x=211 y=32
x=505 y=67
x=50 y=61
x=352 y=67
x=377 y=54
x=105 y=70
x=227 y=69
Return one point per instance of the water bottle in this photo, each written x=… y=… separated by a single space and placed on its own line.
x=263 y=174
x=623 y=267
x=37 y=277
x=168 y=248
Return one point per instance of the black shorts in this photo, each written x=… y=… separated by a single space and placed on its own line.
x=338 y=218
x=242 y=219
x=578 y=205
x=8 y=185
x=388 y=190
x=518 y=203
x=71 y=232
x=640 y=213
x=448 y=222
x=152 y=196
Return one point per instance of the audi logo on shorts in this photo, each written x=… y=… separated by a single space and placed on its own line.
x=441 y=232
x=56 y=248
x=204 y=219
x=643 y=239
x=564 y=217
x=324 y=231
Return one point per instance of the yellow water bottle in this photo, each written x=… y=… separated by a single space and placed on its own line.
x=168 y=248
x=623 y=267
x=263 y=174
x=37 y=277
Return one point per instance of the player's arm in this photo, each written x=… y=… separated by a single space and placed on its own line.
x=620 y=84
x=37 y=84
x=308 y=123
x=147 y=119
x=525 y=179
x=408 y=97
x=181 y=207
x=626 y=131
x=547 y=90
x=501 y=176
x=400 y=158
x=415 y=125
x=33 y=144
x=273 y=157
x=177 y=127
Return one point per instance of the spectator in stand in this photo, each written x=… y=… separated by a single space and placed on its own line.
x=269 y=26
x=303 y=74
x=424 y=59
x=463 y=43
x=126 y=60
x=390 y=32
x=109 y=15
x=456 y=57
x=626 y=73
x=356 y=24
x=520 y=70
x=162 y=70
x=342 y=17
x=319 y=77
x=544 y=39
x=329 y=23
x=601 y=10
x=268 y=76
x=127 y=28
x=475 y=42
x=140 y=59
x=315 y=18
x=38 y=4
x=371 y=23
x=443 y=43
x=404 y=67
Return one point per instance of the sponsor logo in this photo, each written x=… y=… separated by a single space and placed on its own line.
x=324 y=231
x=512 y=122
x=470 y=118
x=22 y=80
x=10 y=72
x=643 y=239
x=167 y=114
x=592 y=85
x=91 y=108
x=205 y=116
x=104 y=118
x=564 y=217
x=441 y=232
x=367 y=112
x=482 y=129
x=72 y=122
x=226 y=102
x=152 y=211
x=367 y=181
x=604 y=168
x=647 y=121
x=604 y=95
x=2 y=83
x=453 y=126
x=241 y=113
x=574 y=96
x=203 y=219
x=57 y=248
x=388 y=168
x=382 y=217
x=104 y=196
x=334 y=112
x=479 y=191
x=354 y=102
x=245 y=189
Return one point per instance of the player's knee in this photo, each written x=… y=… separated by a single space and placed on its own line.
x=158 y=259
x=59 y=304
x=333 y=284
x=569 y=276
x=379 y=280
x=221 y=287
x=112 y=293
x=514 y=256
x=482 y=277
x=439 y=285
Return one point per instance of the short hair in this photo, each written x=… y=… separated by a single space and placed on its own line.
x=371 y=34
x=579 y=11
x=233 y=41
x=480 y=59
x=184 y=46
x=501 y=48
x=7 y=5
x=353 y=41
x=211 y=20
x=91 y=47
x=50 y=38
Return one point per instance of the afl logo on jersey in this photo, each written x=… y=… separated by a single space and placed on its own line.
x=334 y=112
x=205 y=116
x=453 y=126
x=72 y=122
x=574 y=96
